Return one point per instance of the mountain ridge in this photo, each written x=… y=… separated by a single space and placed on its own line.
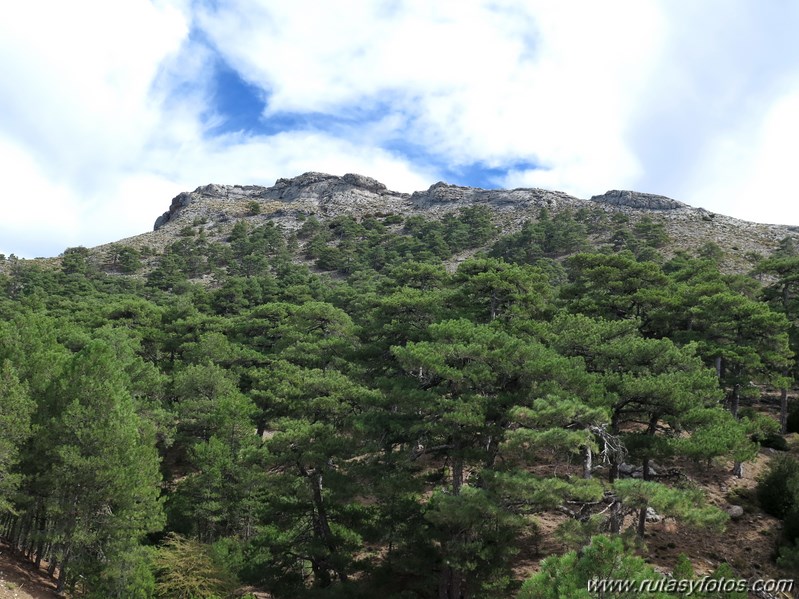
x=214 y=209
x=352 y=186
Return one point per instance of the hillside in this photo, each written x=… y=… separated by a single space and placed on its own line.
x=327 y=389
x=290 y=201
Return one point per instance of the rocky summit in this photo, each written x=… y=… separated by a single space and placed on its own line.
x=290 y=201
x=329 y=195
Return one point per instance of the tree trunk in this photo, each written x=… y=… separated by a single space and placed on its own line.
x=738 y=467
x=450 y=581
x=457 y=474
x=646 y=475
x=7 y=520
x=322 y=524
x=613 y=472
x=642 y=521
x=736 y=399
x=450 y=584
x=650 y=431
x=62 y=573
x=320 y=573
x=784 y=409
x=492 y=449
x=587 y=462
x=30 y=549
x=39 y=551
x=615 y=517
x=16 y=534
x=25 y=531
x=53 y=561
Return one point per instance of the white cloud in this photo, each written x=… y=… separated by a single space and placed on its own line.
x=106 y=109
x=701 y=130
x=76 y=113
x=95 y=140
x=77 y=72
x=754 y=171
x=476 y=82
x=34 y=209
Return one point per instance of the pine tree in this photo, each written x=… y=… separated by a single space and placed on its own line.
x=16 y=407
x=100 y=468
x=604 y=559
x=474 y=382
x=783 y=295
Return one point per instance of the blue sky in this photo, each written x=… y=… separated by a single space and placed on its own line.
x=109 y=109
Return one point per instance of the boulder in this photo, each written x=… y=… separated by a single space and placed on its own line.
x=652 y=515
x=735 y=511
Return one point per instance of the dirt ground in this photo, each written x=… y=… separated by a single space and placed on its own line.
x=19 y=580
x=748 y=543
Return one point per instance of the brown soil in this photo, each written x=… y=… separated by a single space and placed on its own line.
x=748 y=544
x=20 y=580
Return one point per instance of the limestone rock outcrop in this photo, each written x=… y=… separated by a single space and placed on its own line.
x=639 y=200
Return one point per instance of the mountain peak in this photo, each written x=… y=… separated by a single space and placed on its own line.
x=308 y=186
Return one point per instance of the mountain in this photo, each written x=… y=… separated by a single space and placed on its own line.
x=326 y=388
x=214 y=209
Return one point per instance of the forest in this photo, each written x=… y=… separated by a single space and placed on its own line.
x=386 y=406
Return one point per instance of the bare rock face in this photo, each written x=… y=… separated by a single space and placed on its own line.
x=331 y=195
x=179 y=201
x=641 y=201
x=364 y=182
x=207 y=192
x=328 y=194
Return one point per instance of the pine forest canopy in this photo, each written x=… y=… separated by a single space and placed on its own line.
x=328 y=389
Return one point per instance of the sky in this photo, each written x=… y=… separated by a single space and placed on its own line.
x=110 y=109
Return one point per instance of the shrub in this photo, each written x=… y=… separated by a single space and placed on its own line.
x=778 y=490
x=187 y=569
x=789 y=558
x=128 y=260
x=772 y=440
x=793 y=417
x=393 y=219
x=790 y=527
